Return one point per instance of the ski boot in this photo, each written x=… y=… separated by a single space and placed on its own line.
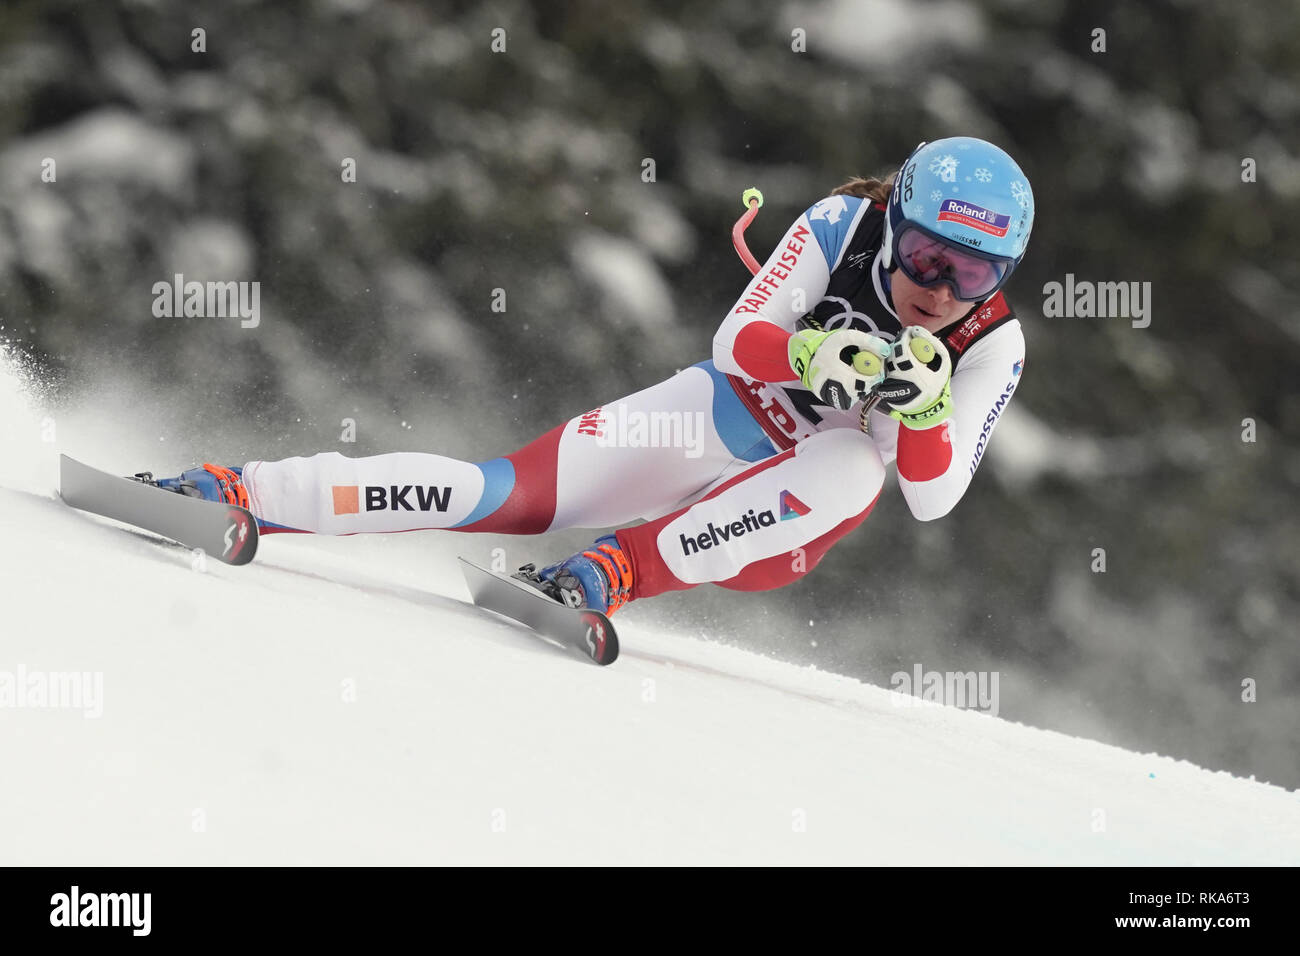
x=210 y=482
x=599 y=578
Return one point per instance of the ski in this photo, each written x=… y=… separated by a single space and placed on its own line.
x=226 y=532
x=580 y=629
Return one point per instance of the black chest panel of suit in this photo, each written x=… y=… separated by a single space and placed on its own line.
x=850 y=301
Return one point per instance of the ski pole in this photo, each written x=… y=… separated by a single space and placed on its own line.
x=752 y=200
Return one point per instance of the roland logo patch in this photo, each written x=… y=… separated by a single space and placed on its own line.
x=977 y=217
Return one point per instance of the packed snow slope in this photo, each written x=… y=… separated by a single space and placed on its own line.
x=337 y=702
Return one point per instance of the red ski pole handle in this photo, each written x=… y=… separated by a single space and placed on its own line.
x=752 y=199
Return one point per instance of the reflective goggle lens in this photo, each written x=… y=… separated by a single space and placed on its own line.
x=927 y=260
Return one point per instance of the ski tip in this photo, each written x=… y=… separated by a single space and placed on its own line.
x=241 y=536
x=601 y=638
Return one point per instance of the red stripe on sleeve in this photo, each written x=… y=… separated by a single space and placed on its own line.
x=925 y=454
x=762 y=350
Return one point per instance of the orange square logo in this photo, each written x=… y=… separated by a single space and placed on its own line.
x=346 y=500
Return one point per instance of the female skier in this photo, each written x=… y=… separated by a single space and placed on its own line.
x=874 y=332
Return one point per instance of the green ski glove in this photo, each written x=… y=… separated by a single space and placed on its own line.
x=839 y=367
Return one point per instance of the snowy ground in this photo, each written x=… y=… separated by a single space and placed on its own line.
x=337 y=702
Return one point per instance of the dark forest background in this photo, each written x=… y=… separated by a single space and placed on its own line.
x=521 y=170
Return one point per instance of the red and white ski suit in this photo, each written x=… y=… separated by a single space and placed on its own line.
x=743 y=478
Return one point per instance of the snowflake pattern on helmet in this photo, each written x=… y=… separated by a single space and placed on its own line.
x=945 y=167
x=965 y=191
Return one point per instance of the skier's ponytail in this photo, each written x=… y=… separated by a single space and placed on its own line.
x=876 y=190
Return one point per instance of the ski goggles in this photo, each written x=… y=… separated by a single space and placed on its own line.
x=926 y=259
